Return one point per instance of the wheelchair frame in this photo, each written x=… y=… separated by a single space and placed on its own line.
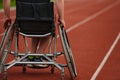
x=20 y=58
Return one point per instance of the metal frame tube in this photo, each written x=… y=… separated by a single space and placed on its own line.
x=26 y=44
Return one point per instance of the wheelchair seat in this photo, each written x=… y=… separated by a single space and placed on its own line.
x=35 y=17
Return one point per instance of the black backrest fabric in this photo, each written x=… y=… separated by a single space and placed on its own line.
x=34 y=1
x=35 y=16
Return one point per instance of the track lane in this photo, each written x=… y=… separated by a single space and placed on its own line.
x=91 y=36
x=94 y=38
x=111 y=69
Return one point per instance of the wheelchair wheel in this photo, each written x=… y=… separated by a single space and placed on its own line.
x=24 y=68
x=68 y=52
x=5 y=77
x=5 y=46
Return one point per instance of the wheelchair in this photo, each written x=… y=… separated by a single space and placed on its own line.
x=35 y=18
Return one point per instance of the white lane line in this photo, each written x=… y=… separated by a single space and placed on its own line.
x=105 y=58
x=2 y=10
x=93 y=16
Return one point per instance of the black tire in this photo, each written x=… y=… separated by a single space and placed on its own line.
x=68 y=52
x=4 y=49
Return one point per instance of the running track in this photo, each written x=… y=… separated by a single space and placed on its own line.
x=93 y=28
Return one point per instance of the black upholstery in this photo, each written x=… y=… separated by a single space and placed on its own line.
x=35 y=16
x=34 y=1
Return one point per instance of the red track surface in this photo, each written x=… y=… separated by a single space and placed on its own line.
x=95 y=26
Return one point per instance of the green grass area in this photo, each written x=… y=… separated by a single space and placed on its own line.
x=12 y=3
x=1 y=5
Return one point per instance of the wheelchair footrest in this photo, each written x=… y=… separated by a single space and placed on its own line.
x=40 y=66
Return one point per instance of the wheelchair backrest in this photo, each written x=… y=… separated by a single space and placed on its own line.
x=35 y=16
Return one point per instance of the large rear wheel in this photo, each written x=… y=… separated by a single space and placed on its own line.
x=68 y=52
x=5 y=46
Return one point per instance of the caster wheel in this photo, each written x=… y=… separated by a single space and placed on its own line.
x=24 y=68
x=52 y=69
